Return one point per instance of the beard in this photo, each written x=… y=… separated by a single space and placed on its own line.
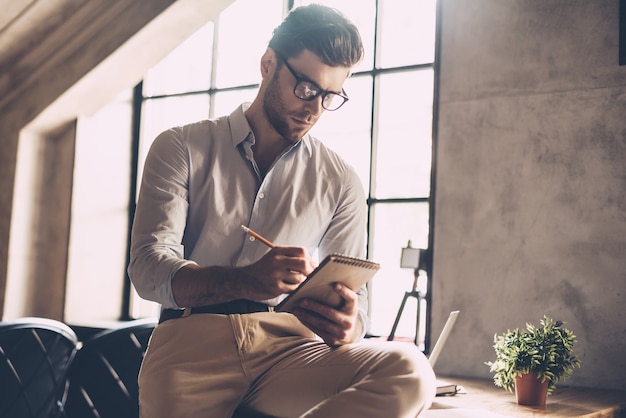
x=277 y=115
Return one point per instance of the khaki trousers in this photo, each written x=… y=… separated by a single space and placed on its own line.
x=207 y=365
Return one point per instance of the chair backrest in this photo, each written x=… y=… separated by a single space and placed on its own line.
x=35 y=354
x=103 y=376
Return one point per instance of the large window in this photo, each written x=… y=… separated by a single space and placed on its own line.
x=384 y=131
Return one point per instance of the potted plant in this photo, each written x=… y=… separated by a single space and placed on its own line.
x=541 y=356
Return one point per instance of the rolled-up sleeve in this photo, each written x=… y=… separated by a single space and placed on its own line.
x=156 y=251
x=346 y=233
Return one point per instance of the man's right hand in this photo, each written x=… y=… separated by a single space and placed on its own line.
x=279 y=271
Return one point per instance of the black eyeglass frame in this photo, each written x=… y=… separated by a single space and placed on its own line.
x=320 y=91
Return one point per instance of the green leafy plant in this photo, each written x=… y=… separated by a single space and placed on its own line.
x=545 y=350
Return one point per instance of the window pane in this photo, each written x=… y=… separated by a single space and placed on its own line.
x=392 y=226
x=347 y=130
x=99 y=225
x=187 y=68
x=227 y=101
x=245 y=28
x=363 y=14
x=407 y=34
x=403 y=158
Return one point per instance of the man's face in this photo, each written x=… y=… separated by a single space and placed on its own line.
x=290 y=116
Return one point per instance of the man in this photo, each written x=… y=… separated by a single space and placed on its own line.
x=220 y=347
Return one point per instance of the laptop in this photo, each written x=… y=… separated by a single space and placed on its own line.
x=444 y=387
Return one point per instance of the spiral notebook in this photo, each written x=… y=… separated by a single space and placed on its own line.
x=352 y=272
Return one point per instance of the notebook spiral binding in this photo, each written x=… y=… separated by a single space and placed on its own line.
x=344 y=259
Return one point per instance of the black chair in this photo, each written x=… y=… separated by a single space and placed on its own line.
x=35 y=354
x=103 y=376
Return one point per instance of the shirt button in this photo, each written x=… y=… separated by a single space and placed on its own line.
x=261 y=195
x=251 y=238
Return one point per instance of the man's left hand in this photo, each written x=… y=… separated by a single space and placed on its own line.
x=336 y=326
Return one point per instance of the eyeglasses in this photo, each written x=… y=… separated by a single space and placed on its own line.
x=307 y=90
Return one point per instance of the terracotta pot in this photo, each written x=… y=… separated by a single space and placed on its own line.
x=530 y=391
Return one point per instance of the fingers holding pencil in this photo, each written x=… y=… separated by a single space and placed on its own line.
x=295 y=260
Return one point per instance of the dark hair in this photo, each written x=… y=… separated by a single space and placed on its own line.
x=322 y=30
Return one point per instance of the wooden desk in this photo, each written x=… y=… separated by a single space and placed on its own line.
x=482 y=399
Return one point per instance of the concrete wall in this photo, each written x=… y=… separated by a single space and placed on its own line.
x=530 y=215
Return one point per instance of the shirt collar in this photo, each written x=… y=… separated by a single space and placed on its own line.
x=241 y=131
x=239 y=128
